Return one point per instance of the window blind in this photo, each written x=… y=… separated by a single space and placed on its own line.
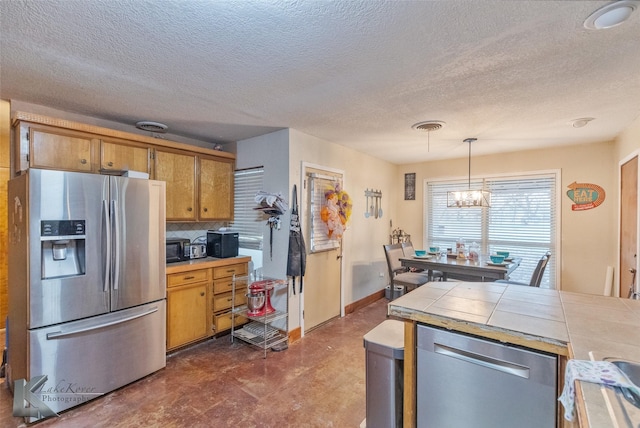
x=447 y=225
x=522 y=219
x=319 y=239
x=247 y=221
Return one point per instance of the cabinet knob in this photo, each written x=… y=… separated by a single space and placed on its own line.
x=83 y=161
x=189 y=209
x=202 y=293
x=206 y=209
x=110 y=164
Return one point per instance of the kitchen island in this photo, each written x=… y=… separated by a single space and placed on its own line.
x=569 y=325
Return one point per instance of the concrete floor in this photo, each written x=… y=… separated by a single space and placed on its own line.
x=319 y=381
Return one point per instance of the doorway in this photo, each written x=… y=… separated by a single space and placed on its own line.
x=628 y=224
x=321 y=299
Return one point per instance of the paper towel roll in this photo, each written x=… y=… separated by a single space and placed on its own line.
x=608 y=281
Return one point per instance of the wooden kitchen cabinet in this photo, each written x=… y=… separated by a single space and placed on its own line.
x=199 y=180
x=222 y=295
x=188 y=307
x=199 y=298
x=215 y=188
x=124 y=156
x=55 y=148
x=179 y=171
x=49 y=147
x=214 y=198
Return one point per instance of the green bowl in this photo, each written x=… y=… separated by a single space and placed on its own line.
x=497 y=259
x=421 y=253
x=505 y=254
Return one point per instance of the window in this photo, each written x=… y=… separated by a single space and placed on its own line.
x=247 y=221
x=522 y=220
x=319 y=239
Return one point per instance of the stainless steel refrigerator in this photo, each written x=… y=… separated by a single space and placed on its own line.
x=87 y=309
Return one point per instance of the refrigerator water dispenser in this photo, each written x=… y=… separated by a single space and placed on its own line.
x=63 y=248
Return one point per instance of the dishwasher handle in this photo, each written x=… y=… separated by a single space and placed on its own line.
x=483 y=360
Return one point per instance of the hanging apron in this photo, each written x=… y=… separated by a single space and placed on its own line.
x=297 y=256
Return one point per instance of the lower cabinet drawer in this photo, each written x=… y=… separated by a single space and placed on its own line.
x=223 y=285
x=175 y=279
x=222 y=322
x=223 y=301
x=229 y=270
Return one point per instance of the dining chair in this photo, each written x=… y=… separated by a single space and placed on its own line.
x=536 y=277
x=398 y=274
x=409 y=251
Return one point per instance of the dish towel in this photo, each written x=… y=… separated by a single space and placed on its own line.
x=602 y=372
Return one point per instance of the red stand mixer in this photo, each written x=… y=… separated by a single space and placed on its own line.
x=265 y=287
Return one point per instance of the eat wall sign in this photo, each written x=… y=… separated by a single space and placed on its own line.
x=585 y=196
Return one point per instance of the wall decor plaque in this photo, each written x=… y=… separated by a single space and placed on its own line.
x=410 y=186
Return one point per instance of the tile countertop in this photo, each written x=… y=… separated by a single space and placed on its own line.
x=564 y=323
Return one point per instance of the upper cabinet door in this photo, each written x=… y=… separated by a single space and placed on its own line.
x=179 y=171
x=216 y=189
x=124 y=157
x=55 y=148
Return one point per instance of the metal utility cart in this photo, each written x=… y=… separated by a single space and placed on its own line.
x=267 y=326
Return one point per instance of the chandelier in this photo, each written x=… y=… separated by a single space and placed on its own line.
x=468 y=198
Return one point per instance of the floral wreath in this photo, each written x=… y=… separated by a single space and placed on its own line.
x=336 y=211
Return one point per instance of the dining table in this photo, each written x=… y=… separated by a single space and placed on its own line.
x=453 y=267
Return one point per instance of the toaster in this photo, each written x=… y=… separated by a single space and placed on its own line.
x=198 y=251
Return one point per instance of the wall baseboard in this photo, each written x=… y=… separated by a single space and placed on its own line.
x=295 y=335
x=366 y=301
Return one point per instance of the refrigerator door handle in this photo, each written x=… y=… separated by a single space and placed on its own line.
x=59 y=334
x=107 y=266
x=115 y=217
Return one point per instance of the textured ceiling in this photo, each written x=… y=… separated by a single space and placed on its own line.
x=356 y=73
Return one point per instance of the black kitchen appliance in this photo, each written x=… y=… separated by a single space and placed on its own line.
x=222 y=244
x=178 y=249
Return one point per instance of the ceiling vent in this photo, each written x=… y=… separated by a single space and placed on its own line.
x=158 y=128
x=428 y=125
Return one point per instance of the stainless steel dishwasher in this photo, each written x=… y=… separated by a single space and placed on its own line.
x=465 y=381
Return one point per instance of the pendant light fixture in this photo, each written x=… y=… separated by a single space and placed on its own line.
x=469 y=198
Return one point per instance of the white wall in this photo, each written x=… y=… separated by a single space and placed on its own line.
x=282 y=153
x=629 y=141
x=272 y=152
x=589 y=237
x=363 y=256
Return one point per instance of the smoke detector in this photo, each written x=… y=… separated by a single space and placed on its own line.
x=581 y=122
x=158 y=128
x=428 y=125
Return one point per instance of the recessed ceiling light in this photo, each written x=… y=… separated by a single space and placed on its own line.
x=610 y=15
x=579 y=123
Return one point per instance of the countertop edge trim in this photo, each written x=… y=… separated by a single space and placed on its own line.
x=539 y=343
